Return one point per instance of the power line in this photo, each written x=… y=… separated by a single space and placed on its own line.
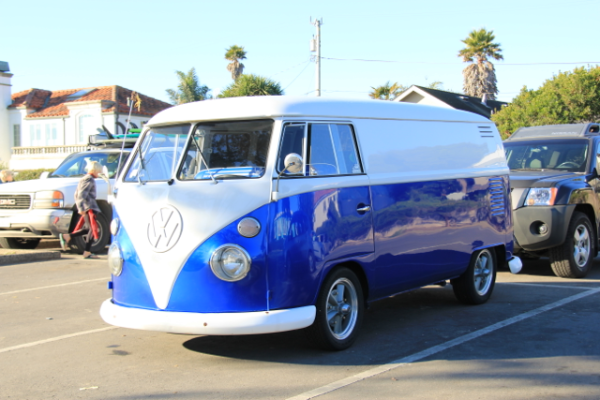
x=439 y=63
x=290 y=68
x=293 y=80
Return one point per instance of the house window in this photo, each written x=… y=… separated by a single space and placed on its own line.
x=51 y=134
x=86 y=128
x=16 y=135
x=35 y=135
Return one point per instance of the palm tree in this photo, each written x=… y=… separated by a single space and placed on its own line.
x=252 y=85
x=189 y=89
x=235 y=54
x=387 y=92
x=480 y=76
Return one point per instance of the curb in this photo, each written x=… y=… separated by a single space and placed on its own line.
x=22 y=256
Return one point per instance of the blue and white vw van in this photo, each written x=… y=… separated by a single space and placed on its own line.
x=266 y=214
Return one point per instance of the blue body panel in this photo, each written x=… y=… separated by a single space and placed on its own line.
x=415 y=234
x=427 y=231
x=310 y=230
x=131 y=288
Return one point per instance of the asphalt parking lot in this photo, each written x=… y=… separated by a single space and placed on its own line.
x=538 y=337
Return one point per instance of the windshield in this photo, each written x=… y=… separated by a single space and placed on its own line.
x=227 y=150
x=75 y=165
x=564 y=155
x=158 y=154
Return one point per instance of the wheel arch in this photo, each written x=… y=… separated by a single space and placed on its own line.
x=588 y=210
x=500 y=255
x=352 y=266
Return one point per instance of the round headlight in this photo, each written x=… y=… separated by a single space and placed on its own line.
x=115 y=259
x=114 y=226
x=230 y=263
x=248 y=227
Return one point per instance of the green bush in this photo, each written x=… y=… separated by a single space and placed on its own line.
x=28 y=174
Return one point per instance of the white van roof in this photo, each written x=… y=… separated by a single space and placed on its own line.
x=291 y=106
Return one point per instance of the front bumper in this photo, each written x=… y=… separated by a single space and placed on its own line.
x=527 y=221
x=244 y=323
x=35 y=223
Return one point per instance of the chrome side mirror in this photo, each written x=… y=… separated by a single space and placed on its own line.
x=294 y=164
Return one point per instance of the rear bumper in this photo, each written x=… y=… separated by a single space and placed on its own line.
x=35 y=223
x=244 y=323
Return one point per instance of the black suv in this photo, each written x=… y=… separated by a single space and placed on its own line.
x=555 y=184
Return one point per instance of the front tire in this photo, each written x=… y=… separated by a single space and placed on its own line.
x=340 y=309
x=78 y=243
x=18 y=243
x=573 y=258
x=476 y=285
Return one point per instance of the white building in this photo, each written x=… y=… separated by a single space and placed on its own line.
x=39 y=128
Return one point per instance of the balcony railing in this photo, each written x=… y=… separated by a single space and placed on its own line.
x=50 y=150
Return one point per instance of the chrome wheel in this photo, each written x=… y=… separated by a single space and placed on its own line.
x=342 y=308
x=484 y=267
x=581 y=246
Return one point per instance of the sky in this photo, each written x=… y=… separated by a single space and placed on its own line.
x=69 y=44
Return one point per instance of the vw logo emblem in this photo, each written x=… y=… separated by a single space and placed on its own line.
x=164 y=229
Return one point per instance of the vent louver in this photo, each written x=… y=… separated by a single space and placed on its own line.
x=497 y=196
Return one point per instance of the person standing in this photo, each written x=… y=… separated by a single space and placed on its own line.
x=85 y=199
x=6 y=176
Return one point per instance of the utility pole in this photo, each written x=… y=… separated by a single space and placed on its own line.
x=315 y=46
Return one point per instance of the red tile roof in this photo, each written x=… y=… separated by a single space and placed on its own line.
x=52 y=103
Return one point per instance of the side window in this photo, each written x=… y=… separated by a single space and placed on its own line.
x=331 y=148
x=292 y=141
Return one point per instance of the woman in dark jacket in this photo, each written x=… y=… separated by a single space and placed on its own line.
x=85 y=199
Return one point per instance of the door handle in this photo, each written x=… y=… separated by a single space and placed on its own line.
x=363 y=208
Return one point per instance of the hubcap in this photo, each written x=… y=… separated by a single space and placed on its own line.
x=581 y=246
x=342 y=308
x=483 y=272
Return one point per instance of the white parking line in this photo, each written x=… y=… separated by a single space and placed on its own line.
x=54 y=339
x=436 y=349
x=54 y=286
x=545 y=285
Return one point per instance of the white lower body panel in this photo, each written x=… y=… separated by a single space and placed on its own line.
x=243 y=323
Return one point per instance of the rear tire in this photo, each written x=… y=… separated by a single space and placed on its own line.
x=78 y=242
x=340 y=309
x=574 y=258
x=19 y=243
x=476 y=285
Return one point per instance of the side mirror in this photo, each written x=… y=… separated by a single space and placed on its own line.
x=44 y=175
x=294 y=164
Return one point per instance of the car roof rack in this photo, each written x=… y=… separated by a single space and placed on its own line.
x=106 y=140
x=556 y=131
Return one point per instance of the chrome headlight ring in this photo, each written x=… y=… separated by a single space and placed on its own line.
x=230 y=263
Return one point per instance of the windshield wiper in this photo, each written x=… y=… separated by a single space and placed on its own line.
x=203 y=160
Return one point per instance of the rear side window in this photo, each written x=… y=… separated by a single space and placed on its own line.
x=330 y=148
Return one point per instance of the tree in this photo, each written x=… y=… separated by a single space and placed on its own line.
x=235 y=54
x=480 y=76
x=387 y=91
x=189 y=89
x=569 y=97
x=252 y=85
